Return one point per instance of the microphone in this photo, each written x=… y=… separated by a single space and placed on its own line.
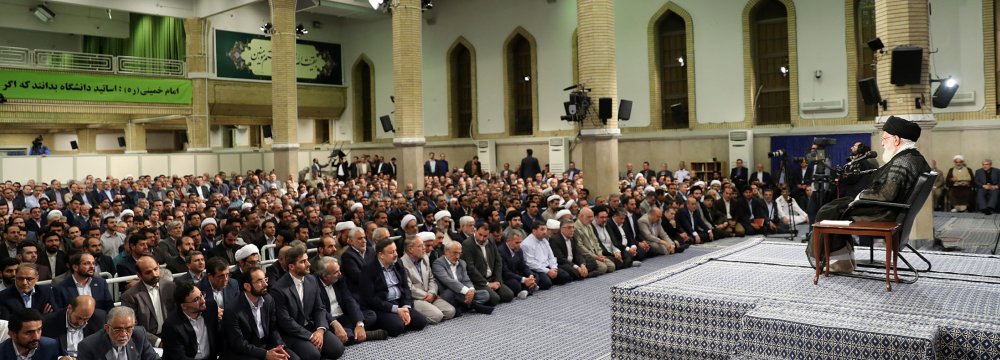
x=867 y=155
x=571 y=87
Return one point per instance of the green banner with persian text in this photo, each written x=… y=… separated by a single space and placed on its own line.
x=40 y=85
x=248 y=56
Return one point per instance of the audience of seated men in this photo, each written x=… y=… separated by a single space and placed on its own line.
x=303 y=321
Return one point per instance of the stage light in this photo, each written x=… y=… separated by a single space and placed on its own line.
x=527 y=78
x=301 y=30
x=784 y=70
x=876 y=45
x=681 y=60
x=426 y=5
x=43 y=13
x=267 y=28
x=944 y=92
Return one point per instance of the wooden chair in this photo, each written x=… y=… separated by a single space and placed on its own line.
x=896 y=233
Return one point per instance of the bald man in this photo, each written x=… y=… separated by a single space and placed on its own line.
x=80 y=319
x=152 y=299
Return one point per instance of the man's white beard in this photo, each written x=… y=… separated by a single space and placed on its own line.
x=887 y=153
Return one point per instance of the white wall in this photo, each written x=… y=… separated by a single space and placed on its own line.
x=957 y=35
x=109 y=141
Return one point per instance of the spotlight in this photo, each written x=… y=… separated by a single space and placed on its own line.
x=2 y=99
x=681 y=60
x=784 y=70
x=109 y=15
x=944 y=92
x=43 y=13
x=301 y=30
x=876 y=45
x=267 y=28
x=527 y=78
x=379 y=5
x=426 y=5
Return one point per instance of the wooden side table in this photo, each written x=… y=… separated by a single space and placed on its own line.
x=888 y=230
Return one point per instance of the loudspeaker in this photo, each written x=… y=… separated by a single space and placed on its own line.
x=869 y=91
x=386 y=123
x=121 y=141
x=625 y=110
x=267 y=131
x=73 y=145
x=907 y=65
x=604 y=108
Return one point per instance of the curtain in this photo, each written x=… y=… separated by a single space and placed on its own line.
x=150 y=36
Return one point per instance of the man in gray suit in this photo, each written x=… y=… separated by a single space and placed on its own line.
x=423 y=285
x=151 y=299
x=120 y=339
x=651 y=231
x=456 y=287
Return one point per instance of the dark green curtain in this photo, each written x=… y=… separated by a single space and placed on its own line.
x=151 y=36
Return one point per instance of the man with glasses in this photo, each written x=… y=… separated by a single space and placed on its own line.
x=25 y=294
x=191 y=331
x=120 y=339
x=80 y=319
x=83 y=282
x=247 y=257
x=893 y=182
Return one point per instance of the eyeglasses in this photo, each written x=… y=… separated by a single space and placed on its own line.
x=25 y=278
x=122 y=330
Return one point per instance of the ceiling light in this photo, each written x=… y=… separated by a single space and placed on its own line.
x=681 y=60
x=784 y=70
x=376 y=4
x=43 y=13
x=426 y=5
x=267 y=28
x=301 y=30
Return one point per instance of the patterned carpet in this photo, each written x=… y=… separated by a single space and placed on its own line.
x=972 y=232
x=757 y=300
x=566 y=322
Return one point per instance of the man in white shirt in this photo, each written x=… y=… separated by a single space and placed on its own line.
x=539 y=257
x=80 y=319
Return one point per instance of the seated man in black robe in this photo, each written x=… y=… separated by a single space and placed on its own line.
x=893 y=182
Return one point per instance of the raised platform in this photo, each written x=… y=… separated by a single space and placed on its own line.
x=756 y=300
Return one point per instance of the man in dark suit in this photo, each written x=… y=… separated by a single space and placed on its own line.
x=430 y=166
x=27 y=253
x=106 y=192
x=739 y=174
x=217 y=284
x=26 y=340
x=630 y=225
x=529 y=166
x=191 y=331
x=25 y=294
x=137 y=247
x=762 y=177
x=120 y=332
x=199 y=188
x=303 y=322
x=568 y=253
x=987 y=187
x=54 y=257
x=516 y=274
x=750 y=212
x=355 y=259
x=456 y=287
x=800 y=177
x=56 y=193
x=152 y=299
x=442 y=166
x=82 y=277
x=80 y=319
x=347 y=321
x=102 y=262
x=485 y=267
x=690 y=222
x=385 y=289
x=242 y=330
x=622 y=240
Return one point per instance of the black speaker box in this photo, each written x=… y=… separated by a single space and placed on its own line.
x=625 y=110
x=267 y=131
x=869 y=91
x=121 y=141
x=604 y=108
x=386 y=123
x=907 y=65
x=73 y=145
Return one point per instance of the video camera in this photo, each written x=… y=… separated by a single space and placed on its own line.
x=578 y=104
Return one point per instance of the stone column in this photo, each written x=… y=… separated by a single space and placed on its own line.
x=906 y=22
x=598 y=71
x=407 y=71
x=198 y=122
x=86 y=140
x=284 y=106
x=135 y=138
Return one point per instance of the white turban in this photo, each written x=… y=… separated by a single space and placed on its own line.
x=426 y=236
x=407 y=219
x=246 y=251
x=441 y=214
x=552 y=224
x=344 y=225
x=958 y=157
